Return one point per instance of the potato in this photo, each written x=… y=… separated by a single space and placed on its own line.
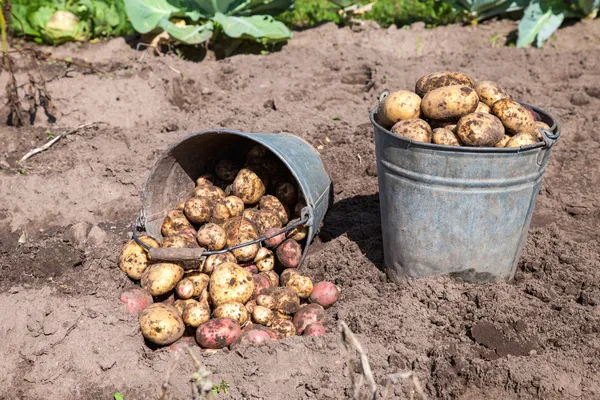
x=234 y=205
x=248 y=186
x=181 y=241
x=210 y=192
x=252 y=214
x=205 y=179
x=298 y=233
x=265 y=300
x=503 y=141
x=289 y=253
x=280 y=315
x=275 y=240
x=180 y=206
x=218 y=333
x=257 y=152
x=398 y=106
x=522 y=139
x=308 y=314
x=262 y=315
x=214 y=260
x=241 y=230
x=540 y=125
x=445 y=137
x=514 y=116
x=200 y=281
x=413 y=129
x=283 y=327
x=134 y=258
x=180 y=304
x=212 y=236
x=175 y=222
x=250 y=306
x=450 y=125
x=226 y=170
x=264 y=260
x=195 y=314
x=267 y=219
x=482 y=107
x=298 y=208
x=480 y=130
x=185 y=289
x=272 y=203
x=230 y=282
x=436 y=80
x=261 y=284
x=286 y=299
x=204 y=297
x=198 y=209
x=250 y=268
x=240 y=225
x=255 y=336
x=136 y=299
x=314 y=329
x=261 y=172
x=449 y=102
x=286 y=193
x=219 y=212
x=161 y=324
x=286 y=275
x=325 y=294
x=273 y=277
x=490 y=92
x=161 y=278
x=232 y=310
x=302 y=285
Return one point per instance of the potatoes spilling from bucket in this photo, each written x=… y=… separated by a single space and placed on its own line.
x=452 y=109
x=249 y=289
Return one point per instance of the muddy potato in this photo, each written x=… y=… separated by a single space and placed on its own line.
x=257 y=152
x=219 y=212
x=252 y=215
x=265 y=300
x=279 y=315
x=479 y=130
x=205 y=179
x=514 y=116
x=287 y=301
x=450 y=125
x=161 y=324
x=195 y=314
x=232 y=310
x=445 y=137
x=161 y=278
x=437 y=80
x=235 y=205
x=212 y=236
x=540 y=125
x=272 y=203
x=273 y=277
x=397 y=106
x=284 y=327
x=308 y=314
x=226 y=170
x=211 y=192
x=262 y=315
x=262 y=284
x=135 y=300
x=286 y=275
x=198 y=209
x=325 y=294
x=449 y=102
x=264 y=260
x=185 y=289
x=250 y=306
x=289 y=253
x=199 y=279
x=503 y=141
x=274 y=241
x=214 y=260
x=230 y=282
x=181 y=241
x=286 y=193
x=298 y=233
x=175 y=222
x=248 y=186
x=490 y=92
x=180 y=206
x=134 y=258
x=250 y=268
x=314 y=330
x=180 y=304
x=522 y=139
x=204 y=296
x=218 y=333
x=241 y=225
x=302 y=285
x=413 y=129
x=482 y=107
x=245 y=253
x=254 y=336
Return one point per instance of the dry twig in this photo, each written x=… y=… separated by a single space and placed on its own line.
x=165 y=385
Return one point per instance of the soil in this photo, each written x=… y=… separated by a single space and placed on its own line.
x=68 y=211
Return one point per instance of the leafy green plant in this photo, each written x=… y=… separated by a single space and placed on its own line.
x=195 y=21
x=118 y=396
x=58 y=21
x=221 y=387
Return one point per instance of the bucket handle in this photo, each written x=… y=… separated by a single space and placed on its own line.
x=550 y=137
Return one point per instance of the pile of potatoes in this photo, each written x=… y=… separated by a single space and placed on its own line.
x=450 y=108
x=250 y=294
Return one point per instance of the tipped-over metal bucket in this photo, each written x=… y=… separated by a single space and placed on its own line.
x=172 y=179
x=462 y=211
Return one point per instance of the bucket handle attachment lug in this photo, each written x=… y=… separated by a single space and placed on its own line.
x=550 y=139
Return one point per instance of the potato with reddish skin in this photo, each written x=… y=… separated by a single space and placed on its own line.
x=232 y=310
x=185 y=289
x=181 y=241
x=273 y=204
x=503 y=141
x=255 y=336
x=248 y=186
x=284 y=327
x=314 y=330
x=398 y=106
x=250 y=268
x=230 y=282
x=214 y=260
x=413 y=129
x=205 y=179
x=514 y=116
x=449 y=102
x=325 y=294
x=490 y=92
x=234 y=205
x=135 y=300
x=200 y=281
x=161 y=324
x=445 y=137
x=264 y=260
x=436 y=80
x=522 y=139
x=273 y=277
x=226 y=170
x=134 y=258
x=289 y=253
x=180 y=304
x=286 y=193
x=261 y=284
x=308 y=314
x=198 y=209
x=175 y=222
x=211 y=192
x=262 y=316
x=195 y=314
x=218 y=333
x=161 y=278
x=264 y=300
x=286 y=275
x=275 y=240
x=479 y=130
x=302 y=285
x=265 y=220
x=212 y=236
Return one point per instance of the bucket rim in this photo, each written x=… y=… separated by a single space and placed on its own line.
x=550 y=137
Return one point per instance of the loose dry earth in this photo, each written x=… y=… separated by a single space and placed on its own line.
x=65 y=334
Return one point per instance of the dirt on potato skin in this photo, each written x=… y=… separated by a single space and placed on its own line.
x=67 y=213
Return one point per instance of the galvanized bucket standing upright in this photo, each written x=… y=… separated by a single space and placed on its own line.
x=462 y=211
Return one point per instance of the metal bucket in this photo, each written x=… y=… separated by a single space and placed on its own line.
x=462 y=211
x=172 y=179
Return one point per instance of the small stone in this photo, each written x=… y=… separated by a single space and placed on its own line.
x=579 y=99
x=13 y=290
x=96 y=236
x=77 y=234
x=206 y=91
